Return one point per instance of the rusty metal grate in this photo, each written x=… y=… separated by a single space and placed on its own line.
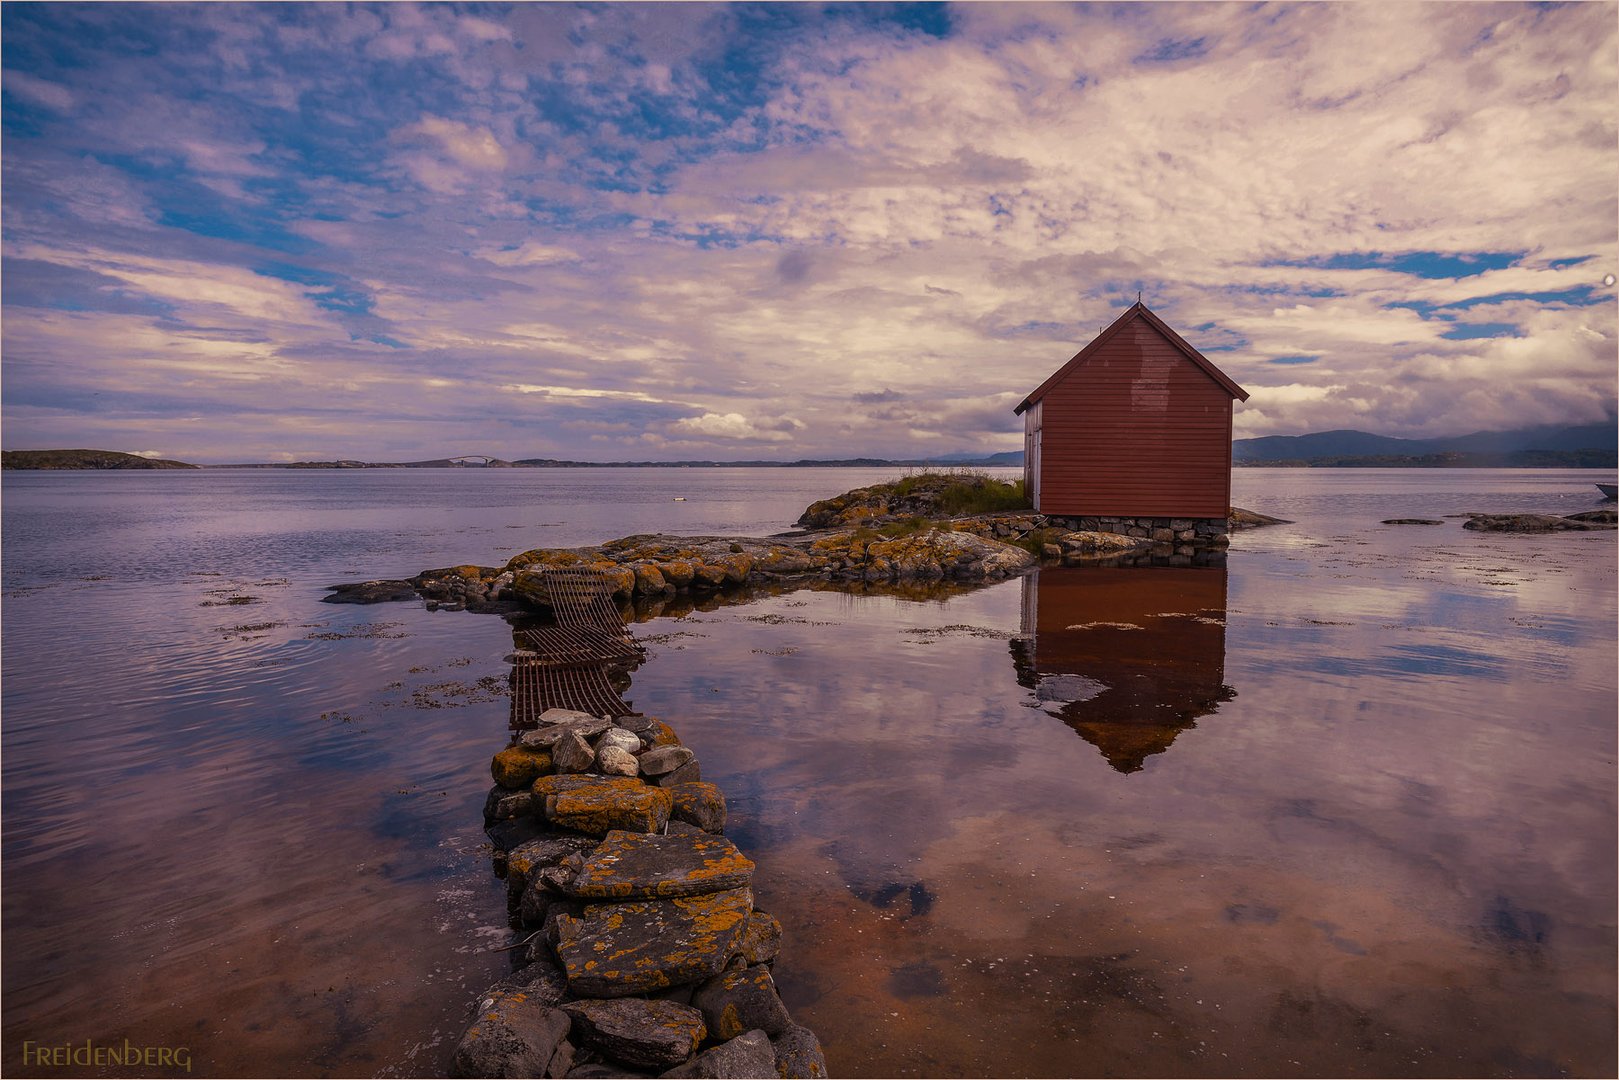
x=536 y=688
x=582 y=600
x=559 y=645
x=567 y=667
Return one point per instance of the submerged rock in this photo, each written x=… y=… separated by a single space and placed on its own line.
x=370 y=592
x=1411 y=521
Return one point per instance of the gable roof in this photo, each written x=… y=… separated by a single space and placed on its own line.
x=1138 y=310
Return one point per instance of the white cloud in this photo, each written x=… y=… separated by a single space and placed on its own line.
x=729 y=426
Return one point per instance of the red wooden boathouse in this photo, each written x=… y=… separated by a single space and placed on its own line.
x=1134 y=432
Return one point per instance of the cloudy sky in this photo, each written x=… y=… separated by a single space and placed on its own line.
x=260 y=233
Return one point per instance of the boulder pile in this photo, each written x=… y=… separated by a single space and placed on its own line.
x=646 y=955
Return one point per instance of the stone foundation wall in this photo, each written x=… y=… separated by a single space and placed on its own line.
x=1190 y=533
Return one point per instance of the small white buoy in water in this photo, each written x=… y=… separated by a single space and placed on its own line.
x=680 y=498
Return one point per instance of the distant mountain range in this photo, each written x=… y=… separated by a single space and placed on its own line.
x=1562 y=445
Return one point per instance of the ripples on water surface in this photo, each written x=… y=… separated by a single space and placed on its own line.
x=1343 y=807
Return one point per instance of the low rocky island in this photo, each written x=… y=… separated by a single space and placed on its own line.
x=1588 y=521
x=927 y=529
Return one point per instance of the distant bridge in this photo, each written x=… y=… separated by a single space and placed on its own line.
x=474 y=460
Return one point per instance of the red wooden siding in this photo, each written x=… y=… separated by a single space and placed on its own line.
x=1137 y=428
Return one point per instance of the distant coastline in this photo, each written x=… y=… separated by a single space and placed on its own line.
x=1583 y=446
x=85 y=459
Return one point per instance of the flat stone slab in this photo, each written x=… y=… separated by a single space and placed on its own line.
x=614 y=950
x=636 y=1032
x=631 y=865
x=546 y=736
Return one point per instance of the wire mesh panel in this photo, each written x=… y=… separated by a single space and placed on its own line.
x=578 y=645
x=582 y=599
x=586 y=689
x=566 y=665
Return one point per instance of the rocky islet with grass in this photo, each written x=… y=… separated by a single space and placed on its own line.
x=963 y=529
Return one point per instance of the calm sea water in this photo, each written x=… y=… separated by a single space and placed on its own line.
x=1345 y=806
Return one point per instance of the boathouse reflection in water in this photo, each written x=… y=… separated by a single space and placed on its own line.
x=1127 y=656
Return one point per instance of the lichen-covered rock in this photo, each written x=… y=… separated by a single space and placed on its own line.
x=798 y=1054
x=707 y=576
x=515 y=1034
x=640 y=1033
x=749 y=1055
x=616 y=761
x=677 y=572
x=701 y=804
x=659 y=734
x=614 y=950
x=760 y=939
x=601 y=808
x=547 y=786
x=741 y=999
x=649 y=580
x=527 y=859
x=637 y=865
x=542 y=979
x=517 y=766
x=736 y=566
